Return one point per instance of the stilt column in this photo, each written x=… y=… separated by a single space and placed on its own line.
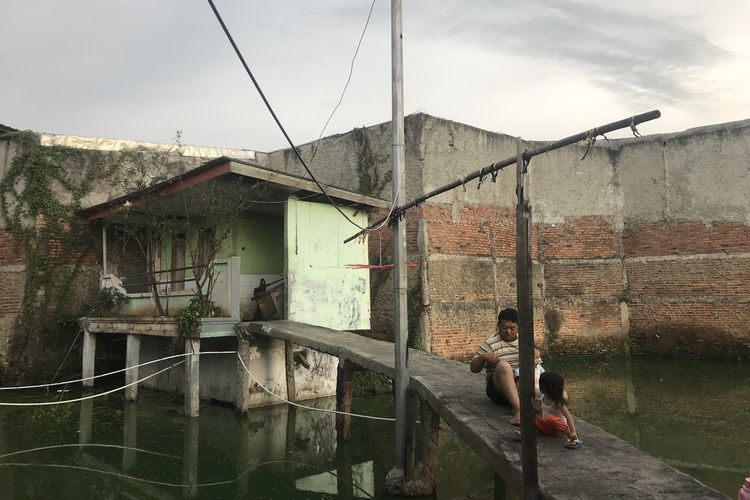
x=192 y=377
x=89 y=356
x=132 y=358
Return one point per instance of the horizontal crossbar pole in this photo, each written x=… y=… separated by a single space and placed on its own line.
x=490 y=169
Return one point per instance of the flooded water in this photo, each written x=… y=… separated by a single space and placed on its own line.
x=691 y=414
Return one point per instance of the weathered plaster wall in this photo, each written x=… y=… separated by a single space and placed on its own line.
x=643 y=244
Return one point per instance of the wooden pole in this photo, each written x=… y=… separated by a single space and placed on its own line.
x=344 y=400
x=427 y=453
x=525 y=301
x=291 y=389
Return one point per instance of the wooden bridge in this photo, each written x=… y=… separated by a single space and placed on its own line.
x=606 y=466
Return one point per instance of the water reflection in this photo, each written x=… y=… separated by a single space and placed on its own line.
x=110 y=448
x=689 y=413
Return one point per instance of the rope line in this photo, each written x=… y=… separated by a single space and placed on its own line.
x=108 y=373
x=92 y=445
x=388 y=419
x=47 y=403
x=93 y=396
x=183 y=485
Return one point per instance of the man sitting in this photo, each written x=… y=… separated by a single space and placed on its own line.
x=498 y=355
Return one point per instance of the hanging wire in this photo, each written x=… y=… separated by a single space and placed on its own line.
x=273 y=114
x=346 y=85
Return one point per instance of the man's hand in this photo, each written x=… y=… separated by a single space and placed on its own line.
x=491 y=358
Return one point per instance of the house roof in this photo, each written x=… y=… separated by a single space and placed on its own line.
x=264 y=188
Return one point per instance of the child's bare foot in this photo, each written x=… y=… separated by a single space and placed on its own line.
x=516 y=420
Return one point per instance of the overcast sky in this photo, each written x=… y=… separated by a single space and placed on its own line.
x=541 y=69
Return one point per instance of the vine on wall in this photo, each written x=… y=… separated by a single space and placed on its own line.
x=39 y=196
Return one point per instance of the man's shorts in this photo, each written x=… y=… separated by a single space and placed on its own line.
x=496 y=396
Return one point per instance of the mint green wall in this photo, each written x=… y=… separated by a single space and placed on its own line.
x=259 y=242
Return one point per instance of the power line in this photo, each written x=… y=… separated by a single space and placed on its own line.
x=349 y=79
x=273 y=114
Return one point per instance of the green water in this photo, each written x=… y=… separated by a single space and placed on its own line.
x=273 y=453
x=690 y=414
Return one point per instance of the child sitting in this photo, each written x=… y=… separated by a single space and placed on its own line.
x=538 y=370
x=555 y=419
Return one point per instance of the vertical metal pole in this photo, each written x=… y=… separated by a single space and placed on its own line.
x=525 y=300
x=399 y=233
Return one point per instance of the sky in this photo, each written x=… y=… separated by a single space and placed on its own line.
x=540 y=69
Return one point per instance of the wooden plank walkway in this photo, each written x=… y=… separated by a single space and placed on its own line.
x=606 y=466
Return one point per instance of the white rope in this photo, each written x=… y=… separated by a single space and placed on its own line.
x=47 y=403
x=116 y=474
x=93 y=445
x=110 y=373
x=98 y=395
x=388 y=419
x=181 y=485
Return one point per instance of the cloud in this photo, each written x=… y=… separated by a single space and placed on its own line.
x=636 y=55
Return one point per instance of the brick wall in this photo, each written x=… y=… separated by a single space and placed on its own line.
x=11 y=251
x=691 y=288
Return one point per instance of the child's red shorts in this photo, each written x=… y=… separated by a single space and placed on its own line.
x=551 y=426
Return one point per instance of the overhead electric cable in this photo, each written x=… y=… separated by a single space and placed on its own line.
x=273 y=114
x=346 y=85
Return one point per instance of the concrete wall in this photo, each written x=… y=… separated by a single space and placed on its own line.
x=644 y=244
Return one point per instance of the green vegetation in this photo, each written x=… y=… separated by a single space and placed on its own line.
x=626 y=295
x=39 y=196
x=189 y=319
x=365 y=382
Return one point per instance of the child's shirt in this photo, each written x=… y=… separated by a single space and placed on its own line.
x=538 y=370
x=550 y=409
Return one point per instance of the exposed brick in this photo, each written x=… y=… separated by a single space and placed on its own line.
x=580 y=238
x=685 y=238
x=719 y=278
x=699 y=328
x=595 y=328
x=583 y=280
x=11 y=250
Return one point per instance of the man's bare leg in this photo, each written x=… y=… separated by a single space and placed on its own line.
x=502 y=377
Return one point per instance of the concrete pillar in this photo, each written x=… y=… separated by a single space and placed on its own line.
x=132 y=357
x=129 y=436
x=85 y=421
x=241 y=397
x=190 y=458
x=89 y=356
x=192 y=377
